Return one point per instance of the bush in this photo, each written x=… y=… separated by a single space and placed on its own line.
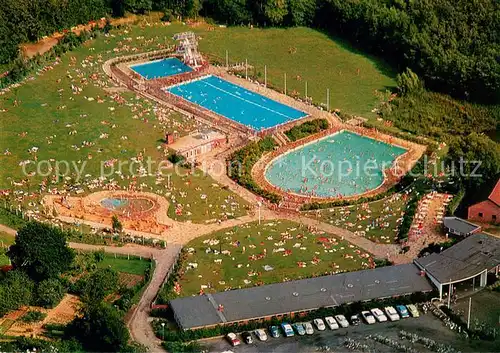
x=241 y=162
x=175 y=158
x=305 y=129
x=16 y=290
x=50 y=292
x=33 y=316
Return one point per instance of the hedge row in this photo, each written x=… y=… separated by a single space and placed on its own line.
x=345 y=309
x=240 y=165
x=455 y=202
x=306 y=129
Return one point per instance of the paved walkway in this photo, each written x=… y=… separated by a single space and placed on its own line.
x=7 y=230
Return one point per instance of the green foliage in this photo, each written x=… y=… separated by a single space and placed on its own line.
x=409 y=82
x=175 y=158
x=179 y=347
x=241 y=162
x=455 y=202
x=10 y=219
x=16 y=290
x=41 y=251
x=481 y=158
x=100 y=328
x=26 y=344
x=138 y=6
x=94 y=287
x=50 y=292
x=28 y=20
x=116 y=224
x=305 y=129
x=33 y=316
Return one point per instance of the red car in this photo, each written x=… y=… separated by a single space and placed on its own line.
x=233 y=339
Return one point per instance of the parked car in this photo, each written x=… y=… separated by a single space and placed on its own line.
x=319 y=324
x=379 y=315
x=368 y=317
x=355 y=321
x=402 y=311
x=233 y=339
x=331 y=322
x=412 y=308
x=275 y=331
x=391 y=313
x=247 y=337
x=299 y=328
x=261 y=334
x=287 y=329
x=309 y=328
x=342 y=320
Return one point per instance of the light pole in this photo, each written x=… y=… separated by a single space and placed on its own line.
x=163 y=331
x=259 y=204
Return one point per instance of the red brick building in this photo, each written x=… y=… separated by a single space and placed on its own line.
x=487 y=211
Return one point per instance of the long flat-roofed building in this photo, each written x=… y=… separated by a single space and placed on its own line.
x=289 y=298
x=469 y=259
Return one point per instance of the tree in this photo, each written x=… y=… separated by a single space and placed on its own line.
x=97 y=285
x=275 y=11
x=409 y=82
x=301 y=12
x=50 y=292
x=138 y=6
x=16 y=290
x=41 y=251
x=100 y=328
x=116 y=224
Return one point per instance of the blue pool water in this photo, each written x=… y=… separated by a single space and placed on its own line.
x=161 y=68
x=236 y=103
x=343 y=164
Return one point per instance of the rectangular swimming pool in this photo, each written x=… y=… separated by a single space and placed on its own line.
x=161 y=68
x=236 y=103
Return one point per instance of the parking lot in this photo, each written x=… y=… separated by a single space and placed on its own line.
x=426 y=326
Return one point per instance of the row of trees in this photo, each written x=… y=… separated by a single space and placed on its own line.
x=452 y=44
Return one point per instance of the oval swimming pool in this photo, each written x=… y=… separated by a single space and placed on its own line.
x=340 y=165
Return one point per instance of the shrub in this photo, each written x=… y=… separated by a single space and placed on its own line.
x=50 y=292
x=33 y=316
x=241 y=162
x=305 y=129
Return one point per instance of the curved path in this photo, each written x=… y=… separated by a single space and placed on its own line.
x=181 y=233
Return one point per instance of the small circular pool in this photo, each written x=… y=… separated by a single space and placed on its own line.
x=128 y=206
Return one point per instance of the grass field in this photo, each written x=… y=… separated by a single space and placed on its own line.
x=64 y=113
x=377 y=221
x=244 y=256
x=134 y=265
x=5 y=241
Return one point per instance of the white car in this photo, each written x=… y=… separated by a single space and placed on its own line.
x=413 y=310
x=391 y=313
x=308 y=327
x=342 y=321
x=261 y=334
x=332 y=324
x=368 y=317
x=379 y=315
x=319 y=324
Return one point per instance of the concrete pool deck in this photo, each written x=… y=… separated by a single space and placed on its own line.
x=401 y=165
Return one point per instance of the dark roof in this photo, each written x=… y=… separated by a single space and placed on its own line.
x=463 y=260
x=300 y=295
x=459 y=225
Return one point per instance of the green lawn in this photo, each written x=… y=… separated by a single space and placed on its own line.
x=246 y=250
x=134 y=265
x=5 y=241
x=66 y=115
x=377 y=221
